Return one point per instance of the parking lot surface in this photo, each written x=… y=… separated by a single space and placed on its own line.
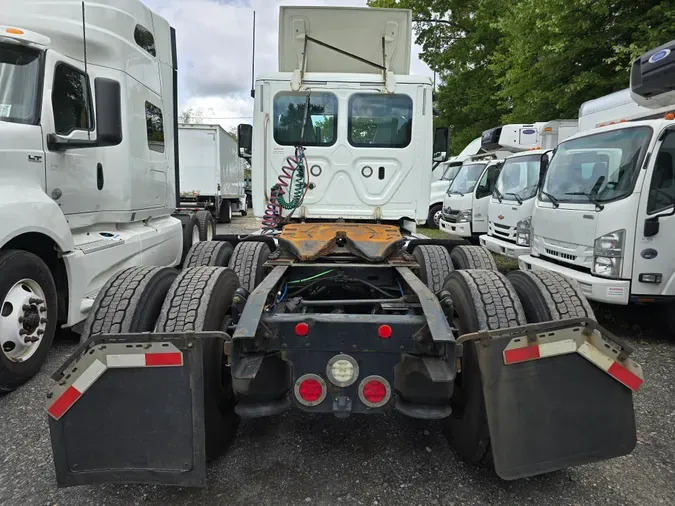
x=376 y=460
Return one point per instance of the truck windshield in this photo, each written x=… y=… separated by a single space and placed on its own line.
x=466 y=178
x=597 y=168
x=519 y=178
x=450 y=173
x=19 y=80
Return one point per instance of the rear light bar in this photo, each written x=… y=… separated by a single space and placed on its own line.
x=117 y=355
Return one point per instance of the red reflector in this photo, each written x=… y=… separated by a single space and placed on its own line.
x=521 y=354
x=374 y=391
x=310 y=390
x=154 y=359
x=302 y=329
x=626 y=377
x=64 y=402
x=384 y=331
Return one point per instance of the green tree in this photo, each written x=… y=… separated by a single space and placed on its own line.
x=556 y=54
x=458 y=38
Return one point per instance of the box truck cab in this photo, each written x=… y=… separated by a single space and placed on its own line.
x=604 y=215
x=465 y=208
x=510 y=206
x=87 y=181
x=448 y=171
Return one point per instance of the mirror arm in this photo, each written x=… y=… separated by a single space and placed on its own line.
x=59 y=143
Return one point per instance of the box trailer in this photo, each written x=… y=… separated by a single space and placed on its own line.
x=212 y=173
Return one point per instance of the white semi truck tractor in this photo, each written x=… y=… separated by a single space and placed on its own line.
x=604 y=214
x=88 y=165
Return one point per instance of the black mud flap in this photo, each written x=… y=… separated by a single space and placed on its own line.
x=556 y=400
x=130 y=408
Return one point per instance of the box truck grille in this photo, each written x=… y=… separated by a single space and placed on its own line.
x=564 y=256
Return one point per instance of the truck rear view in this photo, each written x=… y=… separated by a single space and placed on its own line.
x=337 y=308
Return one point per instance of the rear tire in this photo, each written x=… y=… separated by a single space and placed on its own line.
x=225 y=212
x=209 y=254
x=200 y=299
x=25 y=280
x=547 y=296
x=247 y=262
x=129 y=302
x=207 y=225
x=483 y=300
x=190 y=225
x=433 y=219
x=472 y=257
x=435 y=265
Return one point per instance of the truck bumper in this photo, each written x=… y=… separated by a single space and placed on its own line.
x=502 y=247
x=609 y=291
x=460 y=229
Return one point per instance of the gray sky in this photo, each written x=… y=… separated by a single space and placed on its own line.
x=214 y=51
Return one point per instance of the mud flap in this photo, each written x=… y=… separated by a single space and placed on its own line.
x=130 y=408
x=553 y=404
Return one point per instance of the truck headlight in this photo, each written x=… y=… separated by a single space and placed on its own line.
x=523 y=232
x=464 y=216
x=608 y=254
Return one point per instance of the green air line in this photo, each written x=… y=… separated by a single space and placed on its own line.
x=311 y=277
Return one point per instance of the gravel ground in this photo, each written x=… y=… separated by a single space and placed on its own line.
x=378 y=460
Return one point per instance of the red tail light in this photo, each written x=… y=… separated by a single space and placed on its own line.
x=374 y=391
x=310 y=390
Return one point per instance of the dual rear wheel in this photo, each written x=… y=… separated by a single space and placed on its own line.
x=485 y=299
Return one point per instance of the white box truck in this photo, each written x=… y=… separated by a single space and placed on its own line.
x=510 y=206
x=604 y=215
x=442 y=176
x=212 y=173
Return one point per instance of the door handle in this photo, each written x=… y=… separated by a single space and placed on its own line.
x=99 y=176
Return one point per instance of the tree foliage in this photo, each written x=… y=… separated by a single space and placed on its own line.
x=530 y=60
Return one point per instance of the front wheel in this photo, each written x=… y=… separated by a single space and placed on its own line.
x=27 y=316
x=434 y=217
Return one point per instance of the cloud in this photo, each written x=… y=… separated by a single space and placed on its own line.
x=214 y=39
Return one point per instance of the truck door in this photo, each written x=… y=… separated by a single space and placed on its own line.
x=73 y=178
x=483 y=191
x=654 y=264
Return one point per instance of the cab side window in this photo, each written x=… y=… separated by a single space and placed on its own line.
x=662 y=187
x=486 y=185
x=71 y=101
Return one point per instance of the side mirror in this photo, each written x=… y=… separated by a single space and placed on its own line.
x=108 y=120
x=651 y=226
x=108 y=112
x=441 y=144
x=244 y=140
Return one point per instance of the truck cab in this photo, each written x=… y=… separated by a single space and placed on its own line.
x=604 y=215
x=511 y=204
x=446 y=173
x=87 y=166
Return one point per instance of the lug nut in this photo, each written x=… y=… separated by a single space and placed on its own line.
x=35 y=339
x=21 y=318
x=35 y=300
x=26 y=307
x=23 y=332
x=43 y=320
x=40 y=332
x=43 y=309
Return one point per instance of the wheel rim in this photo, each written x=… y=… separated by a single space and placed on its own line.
x=23 y=320
x=210 y=232
x=437 y=218
x=195 y=234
